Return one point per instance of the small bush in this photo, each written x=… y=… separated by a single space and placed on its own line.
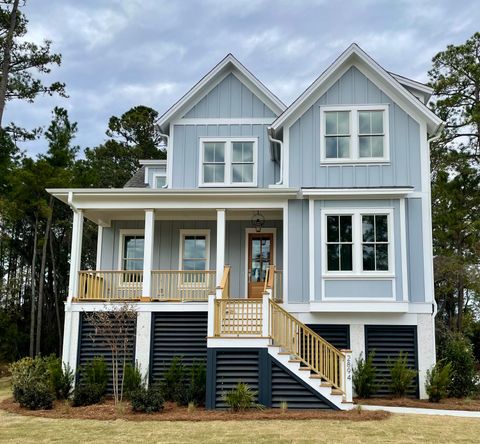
x=132 y=379
x=96 y=373
x=147 y=400
x=173 y=386
x=401 y=375
x=438 y=380
x=198 y=384
x=93 y=383
x=87 y=394
x=61 y=377
x=364 y=375
x=240 y=398
x=458 y=352
x=31 y=384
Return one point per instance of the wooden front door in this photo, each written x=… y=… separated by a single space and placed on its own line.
x=260 y=256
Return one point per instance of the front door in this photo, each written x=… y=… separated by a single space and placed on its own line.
x=260 y=256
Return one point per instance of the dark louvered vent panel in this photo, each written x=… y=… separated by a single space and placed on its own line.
x=337 y=335
x=387 y=342
x=91 y=345
x=181 y=334
x=286 y=387
x=233 y=367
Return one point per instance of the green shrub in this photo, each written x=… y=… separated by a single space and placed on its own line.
x=438 y=380
x=240 y=398
x=147 y=400
x=87 y=394
x=458 y=352
x=61 y=377
x=401 y=375
x=93 y=383
x=364 y=375
x=96 y=373
x=31 y=383
x=132 y=379
x=173 y=386
x=197 y=384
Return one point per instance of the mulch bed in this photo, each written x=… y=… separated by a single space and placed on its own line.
x=108 y=411
x=472 y=405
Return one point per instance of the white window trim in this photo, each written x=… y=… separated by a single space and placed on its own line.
x=354 y=134
x=126 y=232
x=228 y=162
x=194 y=232
x=154 y=179
x=357 y=259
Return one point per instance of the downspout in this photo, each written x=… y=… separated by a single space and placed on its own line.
x=270 y=137
x=168 y=146
x=435 y=137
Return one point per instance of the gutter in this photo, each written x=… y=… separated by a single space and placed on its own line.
x=270 y=137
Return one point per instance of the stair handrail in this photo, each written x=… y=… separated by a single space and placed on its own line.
x=269 y=278
x=309 y=347
x=224 y=285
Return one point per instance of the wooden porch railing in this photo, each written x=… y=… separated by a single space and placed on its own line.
x=182 y=285
x=224 y=286
x=111 y=285
x=274 y=283
x=238 y=317
x=317 y=354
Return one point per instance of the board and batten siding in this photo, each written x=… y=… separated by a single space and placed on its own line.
x=230 y=99
x=363 y=287
x=353 y=88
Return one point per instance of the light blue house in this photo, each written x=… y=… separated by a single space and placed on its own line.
x=276 y=243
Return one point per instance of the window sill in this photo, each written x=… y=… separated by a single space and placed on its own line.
x=354 y=162
x=358 y=276
x=222 y=185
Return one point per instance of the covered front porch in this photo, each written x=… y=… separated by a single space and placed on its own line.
x=181 y=255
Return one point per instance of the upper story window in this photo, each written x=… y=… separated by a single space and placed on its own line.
x=160 y=180
x=358 y=242
x=228 y=162
x=352 y=134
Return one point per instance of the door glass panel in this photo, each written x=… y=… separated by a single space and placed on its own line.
x=260 y=258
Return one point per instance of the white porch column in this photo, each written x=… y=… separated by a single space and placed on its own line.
x=148 y=254
x=70 y=338
x=142 y=342
x=98 y=265
x=220 y=244
x=75 y=254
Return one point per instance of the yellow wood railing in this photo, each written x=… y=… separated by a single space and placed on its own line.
x=296 y=338
x=225 y=283
x=238 y=317
x=182 y=285
x=110 y=285
x=274 y=283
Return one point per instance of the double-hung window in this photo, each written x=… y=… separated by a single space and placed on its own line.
x=132 y=244
x=194 y=255
x=228 y=162
x=354 y=134
x=358 y=242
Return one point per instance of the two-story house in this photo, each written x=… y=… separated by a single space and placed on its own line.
x=276 y=243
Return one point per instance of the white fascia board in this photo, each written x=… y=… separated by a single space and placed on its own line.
x=151 y=162
x=360 y=307
x=412 y=84
x=224 y=67
x=366 y=193
x=354 y=55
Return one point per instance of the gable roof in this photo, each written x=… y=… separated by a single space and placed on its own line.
x=392 y=84
x=211 y=79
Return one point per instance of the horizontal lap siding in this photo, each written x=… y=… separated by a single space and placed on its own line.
x=182 y=334
x=91 y=345
x=387 y=342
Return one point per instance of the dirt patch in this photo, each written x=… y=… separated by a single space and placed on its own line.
x=108 y=411
x=472 y=405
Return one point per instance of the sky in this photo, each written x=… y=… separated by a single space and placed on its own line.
x=117 y=54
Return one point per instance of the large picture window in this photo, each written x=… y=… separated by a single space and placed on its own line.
x=228 y=162
x=358 y=242
x=354 y=133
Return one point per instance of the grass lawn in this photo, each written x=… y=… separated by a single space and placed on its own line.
x=399 y=428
